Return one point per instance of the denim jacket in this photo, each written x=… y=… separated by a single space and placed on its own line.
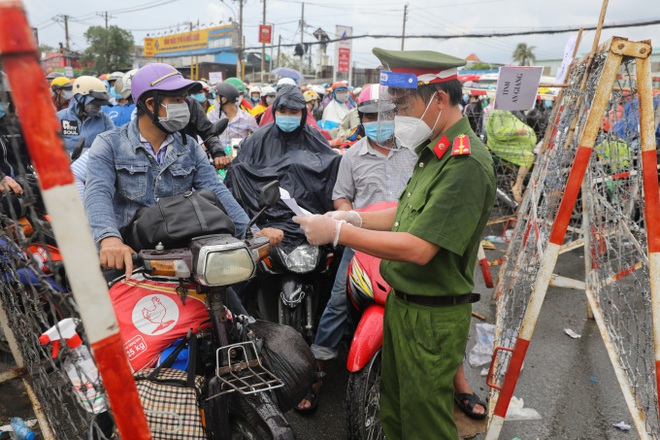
x=123 y=177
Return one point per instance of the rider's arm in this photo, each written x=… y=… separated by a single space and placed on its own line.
x=100 y=191
x=342 y=204
x=204 y=128
x=206 y=178
x=344 y=190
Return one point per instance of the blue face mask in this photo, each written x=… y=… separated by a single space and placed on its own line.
x=2 y=110
x=114 y=93
x=547 y=104
x=379 y=134
x=287 y=123
x=200 y=97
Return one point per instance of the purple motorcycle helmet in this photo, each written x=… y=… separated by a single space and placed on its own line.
x=158 y=80
x=161 y=78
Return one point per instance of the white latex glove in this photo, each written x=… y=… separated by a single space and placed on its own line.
x=320 y=229
x=350 y=217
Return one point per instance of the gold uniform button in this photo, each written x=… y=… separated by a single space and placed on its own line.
x=421 y=164
x=408 y=195
x=396 y=224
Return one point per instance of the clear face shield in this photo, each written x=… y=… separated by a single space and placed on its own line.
x=396 y=97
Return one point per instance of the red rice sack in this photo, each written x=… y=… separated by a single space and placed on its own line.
x=151 y=317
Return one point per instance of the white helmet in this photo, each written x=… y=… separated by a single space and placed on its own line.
x=285 y=82
x=94 y=87
x=123 y=84
x=114 y=76
x=268 y=91
x=255 y=90
x=320 y=90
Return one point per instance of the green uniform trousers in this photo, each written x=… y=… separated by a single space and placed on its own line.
x=422 y=350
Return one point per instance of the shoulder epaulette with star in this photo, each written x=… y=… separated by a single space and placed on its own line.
x=461 y=146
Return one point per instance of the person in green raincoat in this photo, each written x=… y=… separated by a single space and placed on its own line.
x=513 y=141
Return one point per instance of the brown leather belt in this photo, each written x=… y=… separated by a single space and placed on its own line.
x=439 y=301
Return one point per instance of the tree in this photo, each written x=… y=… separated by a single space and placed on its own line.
x=109 y=49
x=45 y=48
x=524 y=55
x=480 y=65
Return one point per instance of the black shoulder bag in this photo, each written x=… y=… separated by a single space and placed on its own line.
x=174 y=220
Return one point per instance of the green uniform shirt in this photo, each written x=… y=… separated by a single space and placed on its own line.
x=447 y=202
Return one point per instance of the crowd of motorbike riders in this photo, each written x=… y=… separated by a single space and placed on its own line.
x=138 y=136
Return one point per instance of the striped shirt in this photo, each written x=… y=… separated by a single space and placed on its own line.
x=240 y=127
x=366 y=176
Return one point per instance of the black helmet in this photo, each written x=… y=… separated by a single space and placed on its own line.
x=227 y=90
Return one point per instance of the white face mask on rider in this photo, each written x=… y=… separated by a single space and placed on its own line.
x=178 y=116
x=411 y=131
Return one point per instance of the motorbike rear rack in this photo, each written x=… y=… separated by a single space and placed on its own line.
x=243 y=371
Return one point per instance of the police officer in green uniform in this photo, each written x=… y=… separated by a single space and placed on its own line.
x=428 y=244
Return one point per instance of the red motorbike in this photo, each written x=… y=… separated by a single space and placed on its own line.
x=367 y=291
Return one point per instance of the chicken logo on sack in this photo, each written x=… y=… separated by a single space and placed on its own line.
x=155 y=314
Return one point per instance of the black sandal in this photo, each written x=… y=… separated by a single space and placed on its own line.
x=312 y=397
x=472 y=401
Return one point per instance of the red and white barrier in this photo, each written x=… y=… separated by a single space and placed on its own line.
x=32 y=98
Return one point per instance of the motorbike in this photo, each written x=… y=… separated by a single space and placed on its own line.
x=290 y=285
x=244 y=398
x=368 y=292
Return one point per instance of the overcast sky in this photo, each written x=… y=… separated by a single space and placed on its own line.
x=425 y=17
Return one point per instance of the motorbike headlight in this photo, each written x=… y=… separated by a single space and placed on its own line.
x=224 y=264
x=302 y=259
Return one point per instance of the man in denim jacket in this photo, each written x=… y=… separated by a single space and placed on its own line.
x=148 y=159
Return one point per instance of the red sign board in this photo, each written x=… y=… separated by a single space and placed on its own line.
x=344 y=62
x=265 y=33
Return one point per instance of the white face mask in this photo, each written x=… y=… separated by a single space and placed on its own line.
x=178 y=116
x=411 y=131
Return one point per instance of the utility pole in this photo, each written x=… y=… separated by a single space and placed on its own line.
x=302 y=35
x=106 y=20
x=66 y=37
x=66 y=32
x=263 y=47
x=405 y=17
x=239 y=61
x=279 y=44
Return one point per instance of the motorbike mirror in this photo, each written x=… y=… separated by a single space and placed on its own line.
x=220 y=126
x=270 y=194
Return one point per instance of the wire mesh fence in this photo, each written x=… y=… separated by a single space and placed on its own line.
x=35 y=297
x=608 y=217
x=617 y=254
x=538 y=211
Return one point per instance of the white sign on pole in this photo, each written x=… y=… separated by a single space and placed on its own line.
x=215 y=77
x=568 y=59
x=68 y=71
x=517 y=87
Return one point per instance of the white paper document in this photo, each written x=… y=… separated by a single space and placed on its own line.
x=292 y=204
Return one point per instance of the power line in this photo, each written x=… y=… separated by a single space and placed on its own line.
x=546 y=31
